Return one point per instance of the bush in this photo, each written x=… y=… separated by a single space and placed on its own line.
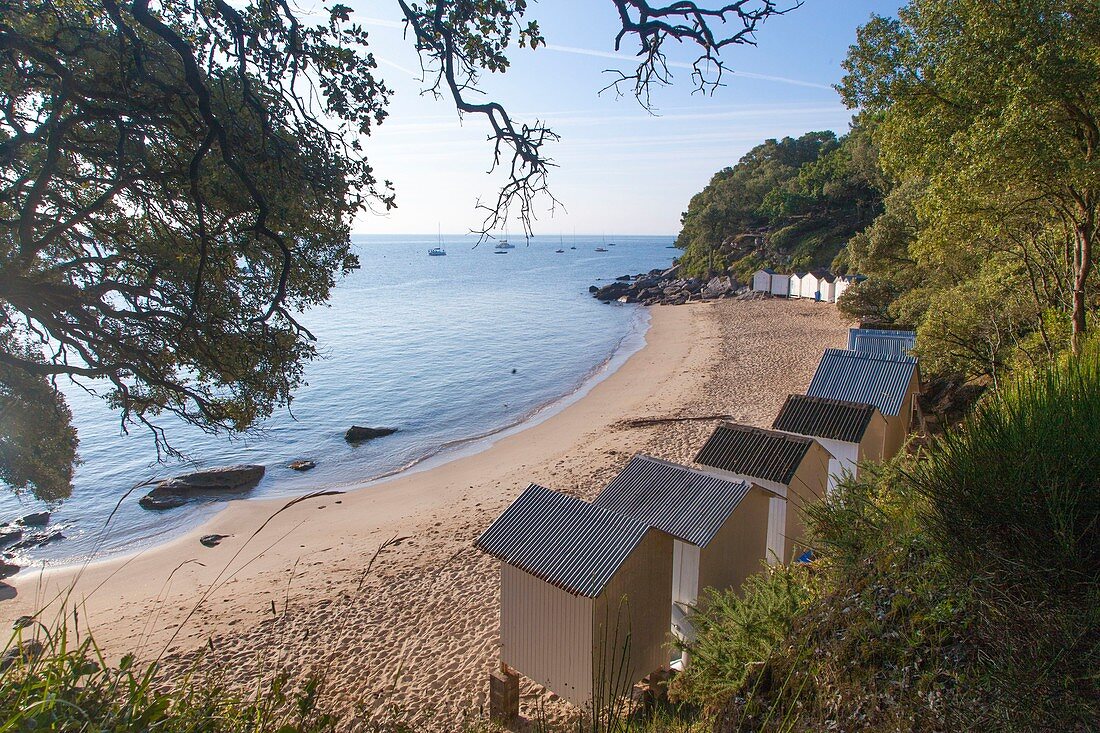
x=735 y=631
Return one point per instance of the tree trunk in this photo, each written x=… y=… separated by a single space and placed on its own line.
x=1082 y=264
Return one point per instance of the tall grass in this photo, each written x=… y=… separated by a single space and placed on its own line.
x=53 y=682
x=1016 y=493
x=1013 y=505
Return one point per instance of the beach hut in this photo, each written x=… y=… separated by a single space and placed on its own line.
x=585 y=595
x=792 y=468
x=808 y=286
x=762 y=281
x=844 y=282
x=890 y=341
x=826 y=287
x=852 y=432
x=890 y=382
x=780 y=285
x=796 y=284
x=719 y=525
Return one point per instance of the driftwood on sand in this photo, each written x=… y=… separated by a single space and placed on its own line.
x=644 y=422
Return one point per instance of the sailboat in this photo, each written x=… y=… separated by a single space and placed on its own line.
x=438 y=251
x=503 y=244
x=559 y=250
x=601 y=249
x=574 y=238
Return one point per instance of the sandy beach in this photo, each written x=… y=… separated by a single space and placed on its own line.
x=380 y=590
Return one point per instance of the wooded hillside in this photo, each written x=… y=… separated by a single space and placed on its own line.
x=791 y=204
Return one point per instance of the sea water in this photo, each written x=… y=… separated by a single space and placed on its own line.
x=446 y=349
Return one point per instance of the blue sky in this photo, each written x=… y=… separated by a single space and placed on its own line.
x=620 y=169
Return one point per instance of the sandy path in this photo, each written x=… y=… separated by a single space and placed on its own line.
x=419 y=629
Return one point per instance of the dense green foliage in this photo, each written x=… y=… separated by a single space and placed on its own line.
x=734 y=631
x=968 y=190
x=169 y=204
x=953 y=590
x=988 y=126
x=789 y=203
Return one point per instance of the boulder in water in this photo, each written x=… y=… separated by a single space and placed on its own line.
x=177 y=491
x=357 y=434
x=36 y=539
x=9 y=535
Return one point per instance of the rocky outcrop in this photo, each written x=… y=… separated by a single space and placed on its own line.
x=178 y=491
x=301 y=465
x=357 y=434
x=663 y=287
x=211 y=540
x=38 y=519
x=34 y=539
x=9 y=534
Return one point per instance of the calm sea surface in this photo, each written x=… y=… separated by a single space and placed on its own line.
x=424 y=344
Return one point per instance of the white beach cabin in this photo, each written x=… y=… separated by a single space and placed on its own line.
x=780 y=285
x=796 y=284
x=719 y=525
x=843 y=283
x=826 y=287
x=890 y=382
x=585 y=595
x=852 y=432
x=762 y=281
x=791 y=468
x=808 y=286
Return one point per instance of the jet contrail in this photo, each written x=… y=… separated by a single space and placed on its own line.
x=683 y=65
x=628 y=57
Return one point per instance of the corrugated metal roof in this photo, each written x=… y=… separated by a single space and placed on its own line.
x=567 y=542
x=876 y=378
x=879 y=340
x=688 y=504
x=824 y=418
x=763 y=454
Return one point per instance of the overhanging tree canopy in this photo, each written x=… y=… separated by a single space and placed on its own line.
x=178 y=180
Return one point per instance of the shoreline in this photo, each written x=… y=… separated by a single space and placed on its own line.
x=382 y=590
x=465 y=447
x=633 y=341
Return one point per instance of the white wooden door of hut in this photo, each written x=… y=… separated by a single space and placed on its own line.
x=685 y=573
x=777 y=530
